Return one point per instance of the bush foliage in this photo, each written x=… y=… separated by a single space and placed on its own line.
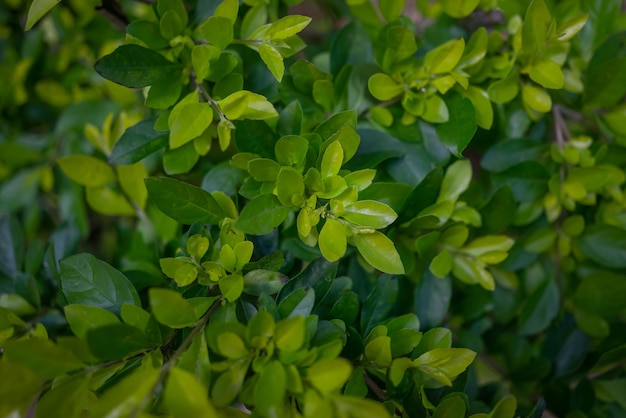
x=284 y=208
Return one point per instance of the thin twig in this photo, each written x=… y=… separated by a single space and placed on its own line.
x=374 y=387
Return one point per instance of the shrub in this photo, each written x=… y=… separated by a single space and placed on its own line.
x=222 y=208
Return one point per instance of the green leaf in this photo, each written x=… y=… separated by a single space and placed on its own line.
x=506 y=154
x=66 y=399
x=362 y=408
x=332 y=160
x=290 y=333
x=378 y=350
x=436 y=110
x=602 y=294
x=170 y=308
x=369 y=213
x=116 y=341
x=444 y=364
x=456 y=180
x=452 y=406
x=137 y=142
x=44 y=358
x=37 y=10
x=488 y=243
x=287 y=26
x=329 y=375
x=290 y=187
x=257 y=282
x=445 y=57
x=384 y=87
x=244 y=104
x=184 y=396
x=505 y=90
x=441 y=265
x=231 y=286
x=271 y=388
x=190 y=122
x=298 y=303
x=88 y=281
x=568 y=29
x=291 y=150
x=136 y=67
x=109 y=202
x=261 y=215
x=274 y=61
x=379 y=303
x=228 y=384
x=128 y=395
x=391 y=9
x=459 y=8
x=228 y=9
x=456 y=133
x=604 y=244
x=539 y=309
x=86 y=170
x=505 y=408
x=183 y=202
x=332 y=240
x=536 y=98
x=379 y=251
x=83 y=318
x=547 y=73
x=218 y=31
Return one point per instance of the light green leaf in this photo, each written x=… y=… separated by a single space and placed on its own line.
x=185 y=397
x=568 y=29
x=287 y=26
x=37 y=10
x=436 y=110
x=487 y=244
x=247 y=105
x=262 y=214
x=44 y=358
x=274 y=61
x=291 y=150
x=83 y=318
x=228 y=9
x=131 y=178
x=87 y=170
x=332 y=240
x=391 y=9
x=547 y=73
x=369 y=213
x=379 y=251
x=329 y=375
x=189 y=123
x=459 y=8
x=384 y=87
x=127 y=397
x=108 y=201
x=231 y=286
x=290 y=187
x=378 y=350
x=456 y=180
x=290 y=333
x=505 y=90
x=536 y=98
x=170 y=308
x=445 y=57
x=444 y=364
x=505 y=408
x=270 y=389
x=441 y=265
x=332 y=160
x=218 y=31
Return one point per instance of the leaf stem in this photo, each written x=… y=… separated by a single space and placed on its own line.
x=374 y=387
x=200 y=88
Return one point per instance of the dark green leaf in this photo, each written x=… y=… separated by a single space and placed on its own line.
x=135 y=66
x=116 y=341
x=183 y=202
x=89 y=281
x=137 y=142
x=457 y=132
x=604 y=244
x=379 y=303
x=261 y=215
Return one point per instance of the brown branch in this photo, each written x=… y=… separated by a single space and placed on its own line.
x=374 y=387
x=114 y=14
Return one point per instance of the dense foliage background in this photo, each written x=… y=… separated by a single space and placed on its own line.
x=285 y=208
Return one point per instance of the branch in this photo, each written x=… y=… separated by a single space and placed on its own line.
x=374 y=387
x=114 y=14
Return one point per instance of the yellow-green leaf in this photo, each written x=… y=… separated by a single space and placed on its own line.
x=86 y=170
